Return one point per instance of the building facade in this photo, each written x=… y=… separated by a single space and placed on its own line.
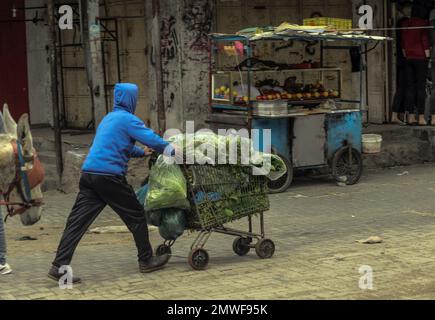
x=130 y=35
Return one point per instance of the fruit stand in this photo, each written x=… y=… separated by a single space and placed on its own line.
x=312 y=126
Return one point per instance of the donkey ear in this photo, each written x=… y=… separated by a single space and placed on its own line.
x=24 y=135
x=2 y=126
x=10 y=126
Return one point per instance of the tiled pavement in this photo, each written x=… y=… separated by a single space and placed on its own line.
x=314 y=226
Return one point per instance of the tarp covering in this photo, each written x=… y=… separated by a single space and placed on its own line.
x=287 y=31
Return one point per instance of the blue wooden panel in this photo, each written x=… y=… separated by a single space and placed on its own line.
x=342 y=128
x=279 y=134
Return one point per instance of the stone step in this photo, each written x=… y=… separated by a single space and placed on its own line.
x=50 y=179
x=47 y=157
x=43 y=144
x=407 y=152
x=49 y=184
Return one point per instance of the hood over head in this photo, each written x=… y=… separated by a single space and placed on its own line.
x=125 y=97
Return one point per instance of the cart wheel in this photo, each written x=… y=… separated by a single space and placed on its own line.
x=265 y=248
x=163 y=249
x=198 y=259
x=241 y=246
x=283 y=183
x=347 y=166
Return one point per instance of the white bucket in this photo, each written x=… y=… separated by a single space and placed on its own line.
x=372 y=143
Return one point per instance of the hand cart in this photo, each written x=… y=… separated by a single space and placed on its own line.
x=219 y=195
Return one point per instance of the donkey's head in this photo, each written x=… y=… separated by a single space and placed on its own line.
x=10 y=133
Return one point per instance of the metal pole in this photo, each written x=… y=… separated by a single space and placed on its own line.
x=62 y=82
x=161 y=116
x=54 y=89
x=118 y=61
x=104 y=75
x=91 y=35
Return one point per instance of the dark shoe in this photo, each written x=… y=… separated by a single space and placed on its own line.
x=154 y=263
x=55 y=275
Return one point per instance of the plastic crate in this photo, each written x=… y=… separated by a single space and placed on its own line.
x=223 y=193
x=336 y=23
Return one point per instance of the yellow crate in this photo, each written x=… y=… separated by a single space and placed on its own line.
x=336 y=23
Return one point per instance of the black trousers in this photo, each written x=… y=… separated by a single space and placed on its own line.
x=97 y=191
x=417 y=71
x=399 y=102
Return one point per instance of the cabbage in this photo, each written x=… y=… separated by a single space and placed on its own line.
x=166 y=187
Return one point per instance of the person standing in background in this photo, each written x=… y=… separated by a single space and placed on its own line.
x=416 y=50
x=432 y=67
x=399 y=102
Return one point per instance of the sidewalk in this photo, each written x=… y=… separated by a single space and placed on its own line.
x=314 y=226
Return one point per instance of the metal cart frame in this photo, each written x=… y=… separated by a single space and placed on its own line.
x=340 y=132
x=199 y=219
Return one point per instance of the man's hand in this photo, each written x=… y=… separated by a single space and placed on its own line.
x=148 y=151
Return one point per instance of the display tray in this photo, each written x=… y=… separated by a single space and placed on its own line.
x=272 y=107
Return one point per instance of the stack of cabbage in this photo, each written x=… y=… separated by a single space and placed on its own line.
x=166 y=197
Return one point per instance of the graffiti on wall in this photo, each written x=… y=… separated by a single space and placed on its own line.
x=198 y=17
x=168 y=39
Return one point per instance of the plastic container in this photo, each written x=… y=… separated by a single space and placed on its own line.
x=372 y=143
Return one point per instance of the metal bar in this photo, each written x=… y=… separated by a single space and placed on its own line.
x=339 y=47
x=362 y=68
x=250 y=104
x=118 y=61
x=22 y=20
x=69 y=45
x=250 y=223
x=262 y=224
x=31 y=8
x=322 y=54
x=54 y=89
x=103 y=58
x=62 y=80
x=351 y=101
x=108 y=31
x=123 y=17
x=236 y=233
x=74 y=68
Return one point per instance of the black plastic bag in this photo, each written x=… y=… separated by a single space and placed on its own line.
x=173 y=223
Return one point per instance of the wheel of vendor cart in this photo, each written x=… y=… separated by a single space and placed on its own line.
x=283 y=183
x=265 y=248
x=163 y=249
x=347 y=166
x=198 y=259
x=241 y=246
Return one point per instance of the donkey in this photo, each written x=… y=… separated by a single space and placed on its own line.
x=21 y=173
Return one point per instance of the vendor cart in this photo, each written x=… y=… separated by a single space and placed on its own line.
x=311 y=126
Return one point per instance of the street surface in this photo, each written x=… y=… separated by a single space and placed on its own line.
x=315 y=227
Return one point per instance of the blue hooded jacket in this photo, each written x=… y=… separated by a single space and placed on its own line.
x=114 y=142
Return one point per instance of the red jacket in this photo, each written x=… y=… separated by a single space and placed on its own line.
x=415 y=41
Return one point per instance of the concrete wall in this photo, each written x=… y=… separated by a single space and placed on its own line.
x=184 y=26
x=38 y=65
x=185 y=54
